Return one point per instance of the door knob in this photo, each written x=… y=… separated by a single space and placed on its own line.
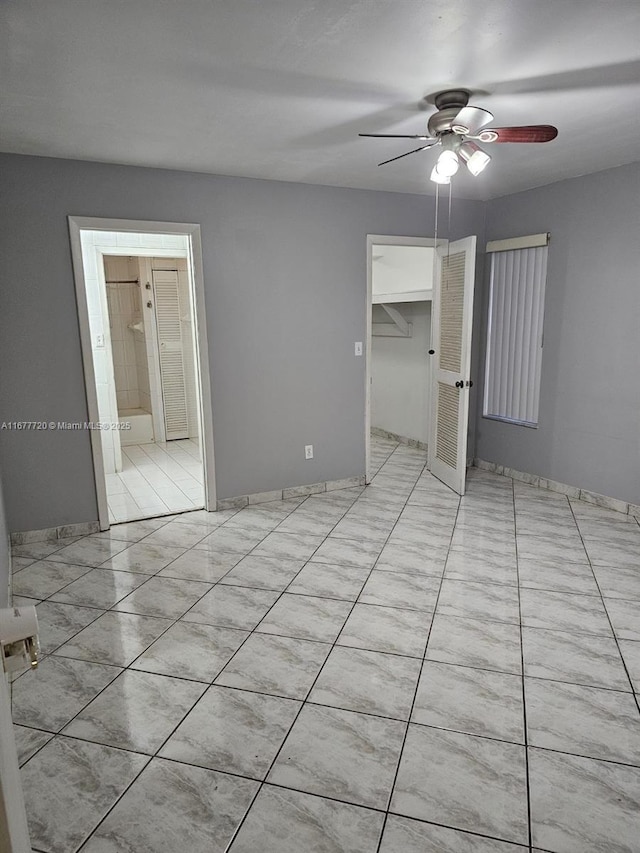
x=432 y=352
x=470 y=383
x=460 y=384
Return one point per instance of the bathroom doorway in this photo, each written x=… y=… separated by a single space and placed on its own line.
x=141 y=310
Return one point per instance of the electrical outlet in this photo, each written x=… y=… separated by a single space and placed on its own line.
x=358 y=348
x=308 y=451
x=99 y=341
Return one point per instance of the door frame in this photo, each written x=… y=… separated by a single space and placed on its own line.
x=380 y=240
x=192 y=232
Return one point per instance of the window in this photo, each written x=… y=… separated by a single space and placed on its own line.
x=514 y=337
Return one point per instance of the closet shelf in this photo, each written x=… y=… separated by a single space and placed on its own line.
x=404 y=296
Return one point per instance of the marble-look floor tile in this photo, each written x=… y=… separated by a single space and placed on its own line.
x=386 y=629
x=233 y=731
x=232 y=607
x=347 y=552
x=71 y=785
x=287 y=546
x=191 y=650
x=166 y=597
x=36 y=550
x=57 y=623
x=394 y=589
x=19 y=563
x=578 y=659
x=368 y=682
x=550 y=550
x=306 y=523
x=625 y=618
x=467 y=566
x=580 y=805
x=491 y=602
x=281 y=666
x=43 y=578
x=469 y=540
x=131 y=531
x=614 y=581
x=409 y=558
x=571 y=577
x=306 y=617
x=583 y=720
x=283 y=821
x=184 y=807
x=89 y=552
x=29 y=741
x=263 y=572
x=341 y=755
x=137 y=711
x=176 y=534
x=329 y=581
x=49 y=697
x=115 y=638
x=463 y=781
x=472 y=642
x=99 y=588
x=631 y=654
x=230 y=540
x=362 y=529
x=403 y=835
x=143 y=557
x=619 y=553
x=196 y=565
x=475 y=701
x=562 y=611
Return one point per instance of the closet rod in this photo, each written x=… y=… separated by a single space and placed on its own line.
x=122 y=281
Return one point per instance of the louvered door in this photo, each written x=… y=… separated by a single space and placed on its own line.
x=170 y=345
x=451 y=340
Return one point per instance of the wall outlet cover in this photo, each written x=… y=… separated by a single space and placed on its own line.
x=308 y=451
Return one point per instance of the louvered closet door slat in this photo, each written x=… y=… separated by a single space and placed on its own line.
x=451 y=311
x=174 y=397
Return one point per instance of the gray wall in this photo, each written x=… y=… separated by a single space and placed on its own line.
x=589 y=428
x=285 y=279
x=5 y=559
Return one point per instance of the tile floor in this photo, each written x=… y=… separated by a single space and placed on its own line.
x=157 y=479
x=379 y=670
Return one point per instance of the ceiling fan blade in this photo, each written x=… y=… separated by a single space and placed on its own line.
x=526 y=133
x=415 y=150
x=470 y=119
x=398 y=136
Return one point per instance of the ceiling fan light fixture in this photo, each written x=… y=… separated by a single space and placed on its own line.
x=474 y=157
x=439 y=178
x=447 y=164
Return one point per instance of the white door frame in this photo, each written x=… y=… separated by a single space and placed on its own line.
x=192 y=232
x=379 y=240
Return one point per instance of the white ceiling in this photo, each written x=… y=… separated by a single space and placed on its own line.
x=280 y=89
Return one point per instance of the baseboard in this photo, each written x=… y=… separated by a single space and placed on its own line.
x=291 y=492
x=562 y=488
x=48 y=534
x=401 y=439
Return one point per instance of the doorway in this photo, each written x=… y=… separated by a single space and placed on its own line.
x=398 y=370
x=140 y=295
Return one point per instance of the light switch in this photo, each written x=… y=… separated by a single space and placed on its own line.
x=358 y=348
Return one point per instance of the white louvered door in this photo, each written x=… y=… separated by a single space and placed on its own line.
x=170 y=345
x=451 y=339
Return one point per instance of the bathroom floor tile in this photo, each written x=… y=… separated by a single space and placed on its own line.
x=234 y=731
x=184 y=808
x=281 y=666
x=465 y=782
x=340 y=754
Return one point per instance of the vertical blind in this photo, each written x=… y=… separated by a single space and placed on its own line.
x=514 y=339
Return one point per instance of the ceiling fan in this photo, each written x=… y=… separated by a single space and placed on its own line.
x=457 y=127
